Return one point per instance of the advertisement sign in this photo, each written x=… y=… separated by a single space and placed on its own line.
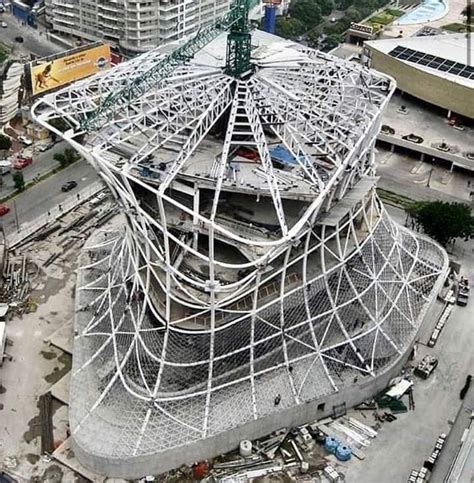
x=367 y=29
x=55 y=73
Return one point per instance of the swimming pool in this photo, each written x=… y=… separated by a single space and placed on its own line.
x=427 y=11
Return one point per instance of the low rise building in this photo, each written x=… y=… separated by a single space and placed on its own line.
x=435 y=69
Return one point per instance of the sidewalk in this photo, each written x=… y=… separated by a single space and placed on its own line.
x=28 y=229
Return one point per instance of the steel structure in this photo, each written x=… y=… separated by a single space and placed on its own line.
x=132 y=88
x=255 y=272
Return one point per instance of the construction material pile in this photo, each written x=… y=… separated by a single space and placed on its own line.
x=311 y=452
x=15 y=289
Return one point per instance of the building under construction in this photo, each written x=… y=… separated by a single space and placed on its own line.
x=255 y=281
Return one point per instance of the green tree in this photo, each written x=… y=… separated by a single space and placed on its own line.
x=61 y=159
x=312 y=37
x=306 y=11
x=19 y=180
x=443 y=221
x=289 y=28
x=69 y=155
x=353 y=15
x=5 y=142
x=343 y=4
x=326 y=6
x=66 y=158
x=336 y=28
x=366 y=7
x=332 y=41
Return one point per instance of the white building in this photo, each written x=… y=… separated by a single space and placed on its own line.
x=134 y=25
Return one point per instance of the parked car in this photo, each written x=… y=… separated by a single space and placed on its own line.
x=4 y=209
x=19 y=39
x=4 y=25
x=25 y=140
x=68 y=186
x=45 y=147
x=97 y=200
x=386 y=129
x=413 y=138
x=22 y=161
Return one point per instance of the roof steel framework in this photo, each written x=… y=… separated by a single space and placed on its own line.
x=237 y=278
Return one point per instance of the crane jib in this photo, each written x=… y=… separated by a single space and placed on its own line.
x=236 y=22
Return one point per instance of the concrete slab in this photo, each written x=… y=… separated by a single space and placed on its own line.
x=62 y=338
x=60 y=390
x=407 y=176
x=65 y=455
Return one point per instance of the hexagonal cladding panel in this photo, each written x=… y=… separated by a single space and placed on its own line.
x=254 y=279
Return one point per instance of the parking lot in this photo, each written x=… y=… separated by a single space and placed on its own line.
x=429 y=123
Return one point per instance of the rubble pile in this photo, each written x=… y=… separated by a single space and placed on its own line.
x=16 y=287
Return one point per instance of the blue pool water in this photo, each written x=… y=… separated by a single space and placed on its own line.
x=428 y=10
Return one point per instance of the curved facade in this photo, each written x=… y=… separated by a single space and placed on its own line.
x=255 y=278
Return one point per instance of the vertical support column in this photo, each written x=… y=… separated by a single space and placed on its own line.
x=195 y=217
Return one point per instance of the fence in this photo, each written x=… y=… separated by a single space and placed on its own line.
x=28 y=229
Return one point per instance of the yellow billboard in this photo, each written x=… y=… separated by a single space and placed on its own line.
x=57 y=72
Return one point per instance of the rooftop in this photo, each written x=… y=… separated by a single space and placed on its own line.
x=295 y=124
x=445 y=55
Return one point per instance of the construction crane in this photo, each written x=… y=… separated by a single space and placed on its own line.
x=236 y=22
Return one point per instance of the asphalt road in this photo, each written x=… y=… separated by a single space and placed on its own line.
x=45 y=195
x=42 y=163
x=34 y=41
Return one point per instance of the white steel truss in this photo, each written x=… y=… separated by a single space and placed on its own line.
x=255 y=260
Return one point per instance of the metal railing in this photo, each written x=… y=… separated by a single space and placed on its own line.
x=28 y=229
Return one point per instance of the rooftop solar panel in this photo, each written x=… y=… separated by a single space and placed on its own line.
x=432 y=61
x=444 y=67
x=436 y=62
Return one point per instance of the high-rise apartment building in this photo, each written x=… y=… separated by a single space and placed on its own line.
x=133 y=25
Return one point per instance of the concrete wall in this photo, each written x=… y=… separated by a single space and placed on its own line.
x=229 y=440
x=425 y=86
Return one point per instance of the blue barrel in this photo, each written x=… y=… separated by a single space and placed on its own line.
x=331 y=444
x=343 y=452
